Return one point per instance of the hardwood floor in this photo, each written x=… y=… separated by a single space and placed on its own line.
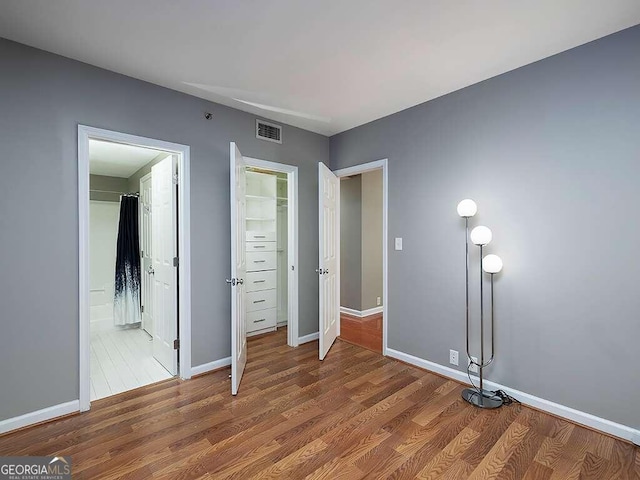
x=354 y=415
x=365 y=332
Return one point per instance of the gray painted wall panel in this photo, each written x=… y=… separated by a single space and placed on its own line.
x=107 y=189
x=44 y=97
x=371 y=239
x=133 y=182
x=351 y=242
x=551 y=154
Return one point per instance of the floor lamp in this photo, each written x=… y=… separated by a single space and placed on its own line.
x=480 y=236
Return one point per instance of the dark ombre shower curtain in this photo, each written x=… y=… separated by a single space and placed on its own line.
x=126 y=304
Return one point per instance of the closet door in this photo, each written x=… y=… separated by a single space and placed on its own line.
x=147 y=260
x=329 y=198
x=238 y=268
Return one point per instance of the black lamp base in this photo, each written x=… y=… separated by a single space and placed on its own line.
x=486 y=400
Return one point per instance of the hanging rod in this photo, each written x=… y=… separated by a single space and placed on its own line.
x=132 y=194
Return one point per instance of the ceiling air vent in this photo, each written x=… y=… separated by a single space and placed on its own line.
x=268 y=131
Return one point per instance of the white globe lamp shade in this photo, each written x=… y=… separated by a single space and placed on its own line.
x=481 y=235
x=492 y=264
x=467 y=208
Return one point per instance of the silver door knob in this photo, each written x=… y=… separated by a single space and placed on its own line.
x=232 y=281
x=150 y=270
x=319 y=271
x=240 y=281
x=326 y=271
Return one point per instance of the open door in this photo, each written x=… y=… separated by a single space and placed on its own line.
x=164 y=267
x=146 y=264
x=238 y=268
x=329 y=196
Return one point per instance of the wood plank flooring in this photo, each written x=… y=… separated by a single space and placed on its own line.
x=365 y=332
x=355 y=415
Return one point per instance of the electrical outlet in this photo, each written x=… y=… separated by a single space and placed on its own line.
x=378 y=301
x=473 y=368
x=453 y=357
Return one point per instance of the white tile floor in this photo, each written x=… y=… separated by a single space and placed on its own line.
x=121 y=359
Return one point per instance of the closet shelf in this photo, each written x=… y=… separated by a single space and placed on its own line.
x=260 y=219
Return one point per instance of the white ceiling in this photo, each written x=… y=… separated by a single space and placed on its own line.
x=116 y=159
x=326 y=66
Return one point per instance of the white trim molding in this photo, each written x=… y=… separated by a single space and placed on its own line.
x=309 y=338
x=39 y=416
x=361 y=313
x=571 y=414
x=292 y=240
x=363 y=168
x=184 y=247
x=208 y=367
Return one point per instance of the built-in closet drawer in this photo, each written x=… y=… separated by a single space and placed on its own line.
x=261 y=300
x=257 y=281
x=261 y=261
x=261 y=319
x=256 y=236
x=261 y=246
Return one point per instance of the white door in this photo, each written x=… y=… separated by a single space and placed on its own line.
x=329 y=198
x=163 y=251
x=145 y=254
x=238 y=268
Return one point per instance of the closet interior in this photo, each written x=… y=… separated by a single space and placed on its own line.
x=267 y=238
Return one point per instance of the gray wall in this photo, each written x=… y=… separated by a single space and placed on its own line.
x=44 y=97
x=134 y=180
x=351 y=242
x=371 y=239
x=551 y=154
x=100 y=185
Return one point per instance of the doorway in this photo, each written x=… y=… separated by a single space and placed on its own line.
x=331 y=292
x=280 y=221
x=361 y=274
x=134 y=262
x=264 y=246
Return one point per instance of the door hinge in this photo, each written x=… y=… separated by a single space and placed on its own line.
x=176 y=262
x=175 y=179
x=142 y=309
x=176 y=344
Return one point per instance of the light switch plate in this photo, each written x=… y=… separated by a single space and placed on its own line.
x=398 y=243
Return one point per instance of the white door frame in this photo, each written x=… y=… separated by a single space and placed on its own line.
x=292 y=240
x=363 y=168
x=184 y=247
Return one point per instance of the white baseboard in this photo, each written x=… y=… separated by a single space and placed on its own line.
x=577 y=416
x=308 y=338
x=207 y=367
x=38 y=416
x=361 y=313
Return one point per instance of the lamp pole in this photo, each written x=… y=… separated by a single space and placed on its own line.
x=481 y=366
x=477 y=396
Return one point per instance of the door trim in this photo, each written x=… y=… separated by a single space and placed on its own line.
x=292 y=240
x=363 y=168
x=184 y=247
